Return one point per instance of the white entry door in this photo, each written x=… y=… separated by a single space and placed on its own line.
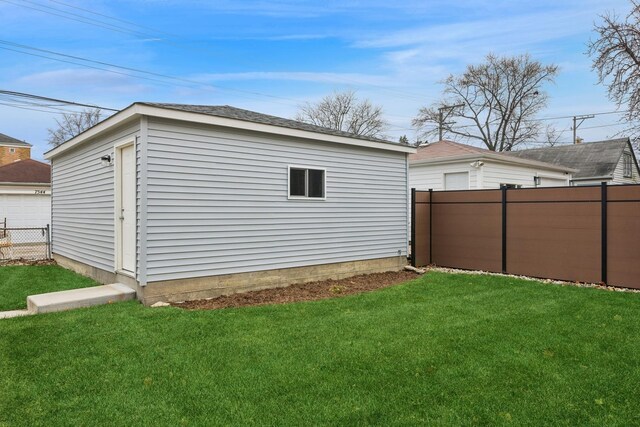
x=127 y=206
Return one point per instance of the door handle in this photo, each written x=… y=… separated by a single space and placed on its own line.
x=121 y=214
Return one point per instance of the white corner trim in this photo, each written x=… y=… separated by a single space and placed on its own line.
x=142 y=142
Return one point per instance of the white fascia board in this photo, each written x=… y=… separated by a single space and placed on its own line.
x=498 y=158
x=14 y=145
x=26 y=184
x=152 y=111
x=118 y=118
x=25 y=189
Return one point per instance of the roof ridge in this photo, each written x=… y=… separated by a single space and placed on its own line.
x=581 y=144
x=470 y=148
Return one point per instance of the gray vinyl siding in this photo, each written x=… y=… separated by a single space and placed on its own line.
x=83 y=202
x=495 y=174
x=217 y=202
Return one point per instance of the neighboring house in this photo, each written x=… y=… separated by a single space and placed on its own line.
x=185 y=201
x=448 y=165
x=25 y=194
x=12 y=149
x=612 y=161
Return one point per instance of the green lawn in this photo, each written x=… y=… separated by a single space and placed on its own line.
x=444 y=349
x=18 y=282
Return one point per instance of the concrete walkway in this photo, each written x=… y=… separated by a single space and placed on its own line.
x=14 y=313
x=74 y=298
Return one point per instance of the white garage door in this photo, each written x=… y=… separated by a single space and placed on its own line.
x=25 y=210
x=456 y=181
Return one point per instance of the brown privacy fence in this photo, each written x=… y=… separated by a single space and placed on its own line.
x=586 y=234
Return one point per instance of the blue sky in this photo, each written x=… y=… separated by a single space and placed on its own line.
x=271 y=56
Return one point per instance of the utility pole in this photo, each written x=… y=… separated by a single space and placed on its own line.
x=442 y=117
x=577 y=121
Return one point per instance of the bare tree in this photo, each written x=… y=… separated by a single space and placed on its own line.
x=497 y=100
x=616 y=58
x=72 y=124
x=552 y=136
x=343 y=111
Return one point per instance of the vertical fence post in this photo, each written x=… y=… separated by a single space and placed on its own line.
x=503 y=189
x=413 y=227
x=430 y=226
x=48 y=241
x=603 y=227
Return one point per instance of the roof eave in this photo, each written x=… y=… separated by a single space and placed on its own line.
x=592 y=178
x=499 y=158
x=141 y=109
x=16 y=144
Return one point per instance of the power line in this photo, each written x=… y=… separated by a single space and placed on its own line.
x=31 y=109
x=46 y=98
x=602 y=126
x=82 y=19
x=86 y=66
x=11 y=102
x=109 y=17
x=571 y=117
x=120 y=67
x=105 y=25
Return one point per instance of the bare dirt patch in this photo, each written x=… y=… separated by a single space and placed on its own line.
x=24 y=261
x=304 y=292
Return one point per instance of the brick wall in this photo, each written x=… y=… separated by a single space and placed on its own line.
x=19 y=153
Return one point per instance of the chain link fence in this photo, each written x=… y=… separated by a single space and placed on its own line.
x=28 y=243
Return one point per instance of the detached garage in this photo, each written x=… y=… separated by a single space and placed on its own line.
x=448 y=165
x=186 y=201
x=25 y=194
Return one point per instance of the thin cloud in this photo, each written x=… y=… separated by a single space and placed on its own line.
x=525 y=28
x=78 y=79
x=317 y=77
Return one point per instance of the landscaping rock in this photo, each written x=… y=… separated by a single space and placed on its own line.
x=160 y=304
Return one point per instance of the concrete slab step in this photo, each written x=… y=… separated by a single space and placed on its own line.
x=77 y=298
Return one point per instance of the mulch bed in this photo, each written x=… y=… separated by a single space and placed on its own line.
x=303 y=292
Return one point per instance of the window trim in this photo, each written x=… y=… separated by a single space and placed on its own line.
x=306 y=168
x=627 y=160
x=12 y=150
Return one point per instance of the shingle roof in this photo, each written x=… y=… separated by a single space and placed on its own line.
x=6 y=139
x=26 y=171
x=445 y=148
x=229 y=112
x=591 y=159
